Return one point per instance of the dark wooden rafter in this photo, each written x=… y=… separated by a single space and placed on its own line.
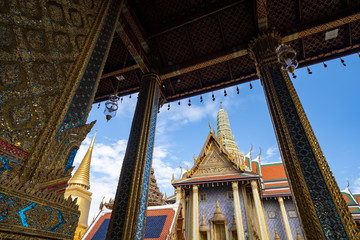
x=120 y=71
x=302 y=48
x=135 y=26
x=161 y=51
x=192 y=52
x=133 y=45
x=349 y=34
x=172 y=87
x=261 y=14
x=346 y=17
x=232 y=53
x=199 y=17
x=298 y=10
x=224 y=43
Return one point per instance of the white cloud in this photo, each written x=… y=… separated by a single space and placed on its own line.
x=271 y=151
x=270 y=154
x=163 y=169
x=184 y=115
x=357 y=185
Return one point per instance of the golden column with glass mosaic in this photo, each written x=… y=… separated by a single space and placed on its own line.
x=322 y=209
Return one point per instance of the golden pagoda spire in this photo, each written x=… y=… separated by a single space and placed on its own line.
x=276 y=235
x=298 y=236
x=218 y=214
x=82 y=174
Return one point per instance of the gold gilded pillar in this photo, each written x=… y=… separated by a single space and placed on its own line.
x=285 y=218
x=178 y=194
x=128 y=216
x=321 y=207
x=259 y=212
x=238 y=215
x=195 y=200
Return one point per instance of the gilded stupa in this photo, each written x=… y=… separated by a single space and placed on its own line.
x=78 y=187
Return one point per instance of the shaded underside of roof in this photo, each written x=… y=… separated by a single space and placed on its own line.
x=198 y=46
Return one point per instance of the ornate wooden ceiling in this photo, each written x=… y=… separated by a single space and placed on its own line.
x=198 y=46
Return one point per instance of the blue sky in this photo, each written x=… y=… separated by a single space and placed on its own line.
x=330 y=97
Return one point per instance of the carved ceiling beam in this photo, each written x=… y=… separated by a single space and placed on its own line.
x=133 y=45
x=135 y=26
x=235 y=53
x=120 y=71
x=192 y=20
x=307 y=31
x=262 y=14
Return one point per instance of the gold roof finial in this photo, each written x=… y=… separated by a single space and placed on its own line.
x=82 y=174
x=172 y=178
x=276 y=235
x=194 y=159
x=210 y=126
x=298 y=236
x=203 y=226
x=165 y=196
x=259 y=153
x=218 y=214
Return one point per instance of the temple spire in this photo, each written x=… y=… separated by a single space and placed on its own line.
x=224 y=132
x=82 y=174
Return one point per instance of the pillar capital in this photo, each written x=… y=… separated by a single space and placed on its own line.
x=235 y=185
x=262 y=48
x=253 y=184
x=152 y=76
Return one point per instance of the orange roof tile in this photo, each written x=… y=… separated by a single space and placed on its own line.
x=273 y=171
x=253 y=167
x=346 y=198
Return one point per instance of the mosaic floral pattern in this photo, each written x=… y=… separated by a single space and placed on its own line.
x=39 y=43
x=19 y=212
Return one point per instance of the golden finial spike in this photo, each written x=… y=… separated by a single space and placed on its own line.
x=214 y=129
x=251 y=148
x=210 y=126
x=194 y=159
x=260 y=152
x=298 y=236
x=165 y=196
x=82 y=174
x=217 y=210
x=276 y=235
x=172 y=178
x=203 y=220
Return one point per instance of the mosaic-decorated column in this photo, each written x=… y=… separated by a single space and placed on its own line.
x=238 y=215
x=129 y=213
x=195 y=201
x=322 y=209
x=285 y=218
x=263 y=229
x=50 y=64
